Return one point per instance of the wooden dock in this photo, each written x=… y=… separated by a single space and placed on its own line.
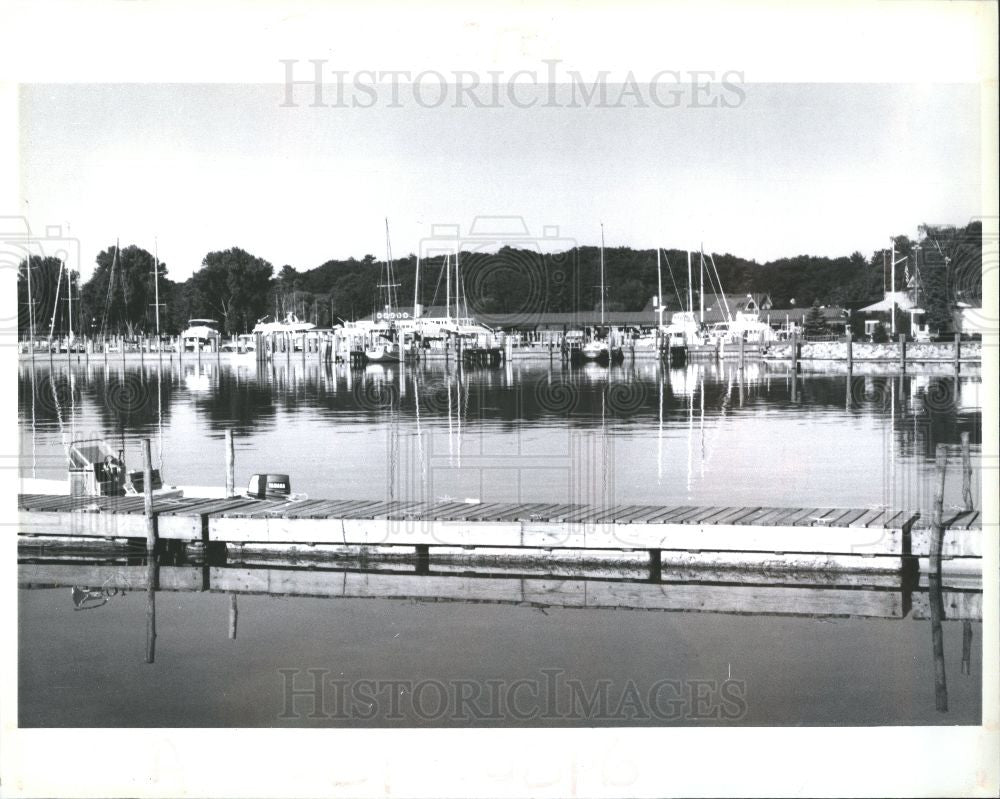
x=846 y=538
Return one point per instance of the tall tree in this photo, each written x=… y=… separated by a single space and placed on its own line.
x=232 y=286
x=120 y=294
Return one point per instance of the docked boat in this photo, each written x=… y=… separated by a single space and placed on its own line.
x=290 y=324
x=600 y=350
x=201 y=334
x=383 y=341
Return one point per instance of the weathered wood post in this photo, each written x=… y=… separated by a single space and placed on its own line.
x=742 y=345
x=967 y=473
x=934 y=581
x=147 y=496
x=234 y=614
x=152 y=578
x=230 y=464
x=966 y=647
x=902 y=352
x=795 y=352
x=850 y=352
x=937 y=510
x=958 y=352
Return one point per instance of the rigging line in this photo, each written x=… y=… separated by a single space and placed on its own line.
x=722 y=294
x=437 y=287
x=670 y=271
x=107 y=299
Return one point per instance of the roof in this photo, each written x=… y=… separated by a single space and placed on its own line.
x=902 y=300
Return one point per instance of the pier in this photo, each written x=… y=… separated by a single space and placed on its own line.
x=864 y=539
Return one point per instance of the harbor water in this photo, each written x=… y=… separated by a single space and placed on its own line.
x=640 y=433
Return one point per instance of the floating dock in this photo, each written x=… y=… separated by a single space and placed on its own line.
x=764 y=537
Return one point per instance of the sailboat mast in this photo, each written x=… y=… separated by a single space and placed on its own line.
x=690 y=290
x=69 y=287
x=416 y=290
x=602 y=274
x=55 y=305
x=892 y=287
x=659 y=290
x=156 y=284
x=447 y=286
x=702 y=290
x=31 y=308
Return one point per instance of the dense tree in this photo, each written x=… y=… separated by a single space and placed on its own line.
x=238 y=288
x=120 y=295
x=231 y=286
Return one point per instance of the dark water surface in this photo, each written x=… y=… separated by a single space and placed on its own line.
x=829 y=654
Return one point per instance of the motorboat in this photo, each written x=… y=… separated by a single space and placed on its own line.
x=201 y=334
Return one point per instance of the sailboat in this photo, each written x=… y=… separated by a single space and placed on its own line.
x=599 y=350
x=385 y=347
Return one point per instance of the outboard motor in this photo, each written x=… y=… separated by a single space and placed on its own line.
x=269 y=486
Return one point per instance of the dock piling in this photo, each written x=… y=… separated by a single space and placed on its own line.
x=147 y=496
x=958 y=352
x=967 y=501
x=152 y=578
x=795 y=352
x=850 y=352
x=902 y=352
x=230 y=464
x=234 y=614
x=934 y=581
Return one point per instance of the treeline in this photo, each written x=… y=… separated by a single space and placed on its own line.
x=237 y=288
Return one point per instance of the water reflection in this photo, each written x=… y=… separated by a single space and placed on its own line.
x=856 y=600
x=435 y=419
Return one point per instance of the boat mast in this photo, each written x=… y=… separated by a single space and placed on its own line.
x=602 y=274
x=702 y=291
x=659 y=290
x=690 y=289
x=69 y=288
x=892 y=289
x=31 y=308
x=447 y=287
x=55 y=305
x=416 y=289
x=156 y=285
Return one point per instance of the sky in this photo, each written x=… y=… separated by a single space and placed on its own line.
x=823 y=169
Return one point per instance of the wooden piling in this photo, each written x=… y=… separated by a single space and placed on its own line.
x=958 y=352
x=967 y=500
x=934 y=580
x=966 y=647
x=152 y=578
x=230 y=464
x=937 y=509
x=902 y=352
x=147 y=496
x=795 y=352
x=742 y=346
x=850 y=352
x=234 y=614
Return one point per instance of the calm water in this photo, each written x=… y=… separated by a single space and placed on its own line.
x=834 y=654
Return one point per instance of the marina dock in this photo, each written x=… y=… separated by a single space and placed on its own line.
x=864 y=539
